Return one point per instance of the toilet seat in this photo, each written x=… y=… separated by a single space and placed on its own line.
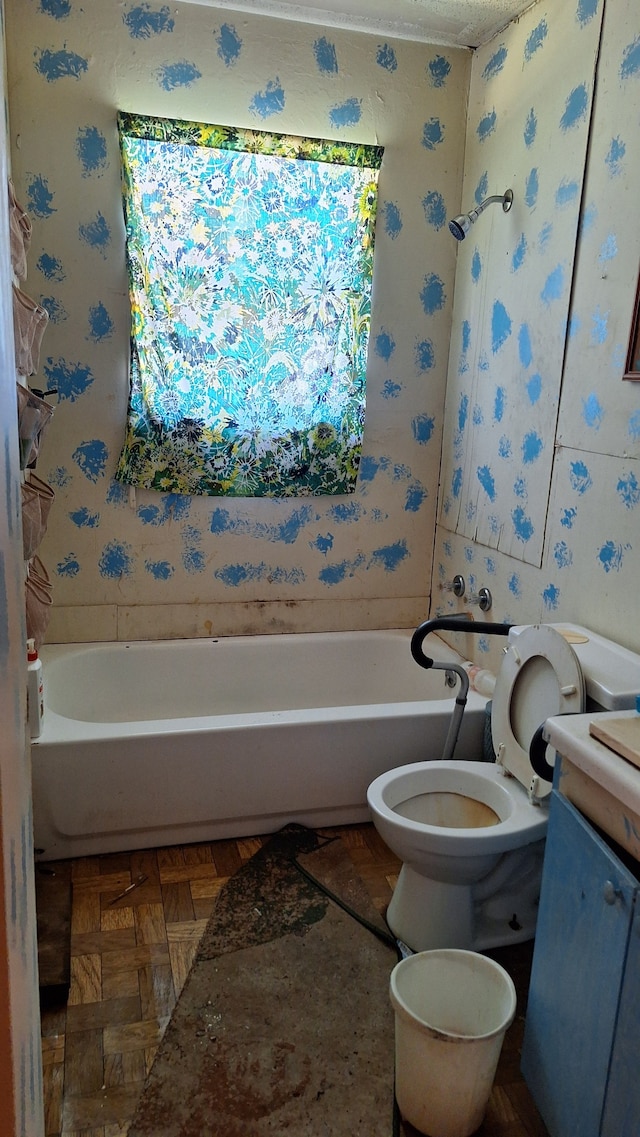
x=540 y=676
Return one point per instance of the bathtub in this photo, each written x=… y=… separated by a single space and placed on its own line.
x=172 y=742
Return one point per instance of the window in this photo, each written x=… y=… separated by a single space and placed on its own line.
x=250 y=259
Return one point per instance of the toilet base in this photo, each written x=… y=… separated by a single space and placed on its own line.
x=500 y=909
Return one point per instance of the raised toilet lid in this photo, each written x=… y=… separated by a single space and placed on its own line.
x=539 y=676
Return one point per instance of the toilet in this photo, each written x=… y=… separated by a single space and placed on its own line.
x=471 y=834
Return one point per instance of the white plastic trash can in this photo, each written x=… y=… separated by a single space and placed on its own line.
x=452 y=1009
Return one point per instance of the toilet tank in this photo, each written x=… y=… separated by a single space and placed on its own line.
x=611 y=672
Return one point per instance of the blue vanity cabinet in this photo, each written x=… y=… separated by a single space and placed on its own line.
x=580 y=1048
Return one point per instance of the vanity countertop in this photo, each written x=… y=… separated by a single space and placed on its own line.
x=602 y=784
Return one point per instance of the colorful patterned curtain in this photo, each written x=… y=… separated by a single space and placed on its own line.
x=250 y=258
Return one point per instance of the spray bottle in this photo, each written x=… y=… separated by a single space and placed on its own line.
x=35 y=690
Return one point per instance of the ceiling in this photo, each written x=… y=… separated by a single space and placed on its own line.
x=462 y=23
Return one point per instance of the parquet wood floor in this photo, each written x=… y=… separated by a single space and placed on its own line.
x=129 y=960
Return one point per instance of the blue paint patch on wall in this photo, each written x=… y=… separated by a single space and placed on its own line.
x=628 y=491
x=476 y=266
x=368 y=469
x=416 y=495
x=348 y=113
x=487 y=481
x=336 y=573
x=531 y=188
x=615 y=156
x=568 y=517
x=142 y=21
x=433 y=295
x=608 y=249
x=630 y=65
x=611 y=555
x=580 y=478
x=633 y=425
x=392 y=219
x=486 y=126
x=438 y=71
x=390 y=390
x=463 y=412
x=482 y=188
x=50 y=267
x=345 y=514
x=575 y=108
x=325 y=56
x=425 y=355
x=91 y=148
x=229 y=45
x=57 y=311
x=466 y=336
x=553 y=285
x=599 y=326
x=96 y=234
x=150 y=515
x=435 y=210
x=386 y=57
x=521 y=489
x=456 y=482
x=171 y=76
x=535 y=40
x=422 y=427
x=59 y=9
x=91 y=458
x=504 y=446
x=551 y=596
x=116 y=560
x=193 y=558
x=586 y=11
x=513 y=584
x=100 y=323
x=532 y=447
x=69 y=566
x=525 y=351
x=54 y=65
x=519 y=253
x=432 y=134
x=322 y=544
x=496 y=63
x=389 y=557
x=545 y=235
x=60 y=476
x=384 y=345
x=117 y=494
x=159 y=570
x=39 y=197
x=566 y=193
x=499 y=404
x=562 y=555
x=530 y=128
x=71 y=380
x=500 y=326
x=522 y=525
x=534 y=388
x=84 y=519
x=592 y=412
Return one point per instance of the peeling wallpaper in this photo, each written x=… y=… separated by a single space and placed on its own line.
x=148 y=565
x=540 y=437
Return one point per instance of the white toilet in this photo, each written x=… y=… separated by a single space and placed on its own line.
x=471 y=834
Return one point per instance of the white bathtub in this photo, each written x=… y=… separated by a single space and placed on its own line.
x=160 y=743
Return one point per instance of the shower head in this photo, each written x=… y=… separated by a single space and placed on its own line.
x=461 y=225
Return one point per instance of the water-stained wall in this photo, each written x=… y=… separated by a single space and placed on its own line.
x=540 y=498
x=149 y=565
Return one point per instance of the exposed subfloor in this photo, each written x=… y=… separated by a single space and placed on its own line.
x=129 y=962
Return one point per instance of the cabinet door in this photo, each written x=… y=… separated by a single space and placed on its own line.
x=586 y=903
x=622 y=1103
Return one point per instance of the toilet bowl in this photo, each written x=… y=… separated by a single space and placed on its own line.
x=471 y=834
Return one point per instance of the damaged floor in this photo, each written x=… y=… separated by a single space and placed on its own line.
x=129 y=962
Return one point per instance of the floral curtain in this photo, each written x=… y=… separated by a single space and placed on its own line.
x=250 y=258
